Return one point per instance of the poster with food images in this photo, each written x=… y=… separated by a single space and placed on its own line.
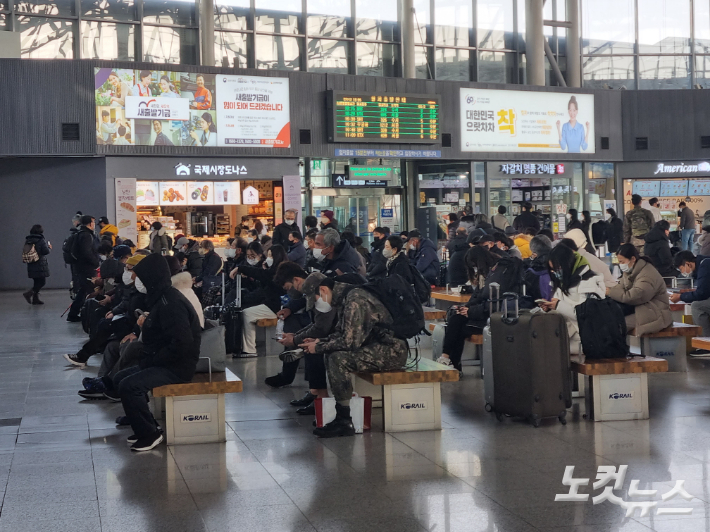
x=173 y=193
x=126 y=208
x=200 y=193
x=147 y=193
x=227 y=193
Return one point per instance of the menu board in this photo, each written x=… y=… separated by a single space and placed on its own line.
x=674 y=188
x=147 y=193
x=227 y=193
x=173 y=193
x=200 y=193
x=699 y=187
x=647 y=189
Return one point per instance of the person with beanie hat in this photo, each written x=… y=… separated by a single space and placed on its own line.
x=171 y=349
x=328 y=221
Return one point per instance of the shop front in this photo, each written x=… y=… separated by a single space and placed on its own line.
x=199 y=197
x=671 y=183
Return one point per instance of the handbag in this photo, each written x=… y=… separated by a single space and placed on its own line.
x=29 y=254
x=212 y=346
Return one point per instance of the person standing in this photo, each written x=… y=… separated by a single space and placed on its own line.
x=38 y=270
x=686 y=226
x=85 y=251
x=526 y=219
x=158 y=239
x=615 y=233
x=499 y=221
x=285 y=228
x=637 y=223
x=653 y=202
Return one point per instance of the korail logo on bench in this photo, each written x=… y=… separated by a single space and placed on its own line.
x=195 y=418
x=627 y=395
x=413 y=406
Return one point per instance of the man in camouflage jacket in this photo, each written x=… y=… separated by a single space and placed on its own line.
x=362 y=342
x=637 y=222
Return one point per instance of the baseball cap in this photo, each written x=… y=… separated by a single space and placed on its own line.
x=184 y=241
x=309 y=288
x=414 y=233
x=103 y=220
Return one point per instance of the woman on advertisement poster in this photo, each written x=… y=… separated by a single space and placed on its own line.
x=168 y=90
x=121 y=89
x=206 y=132
x=573 y=136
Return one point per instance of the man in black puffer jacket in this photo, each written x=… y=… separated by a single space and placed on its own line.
x=171 y=349
x=85 y=252
x=378 y=264
x=658 y=249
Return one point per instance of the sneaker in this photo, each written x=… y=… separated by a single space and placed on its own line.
x=245 y=355
x=292 y=355
x=122 y=421
x=112 y=395
x=75 y=361
x=446 y=361
x=88 y=394
x=86 y=382
x=132 y=439
x=338 y=427
x=74 y=319
x=305 y=400
x=148 y=443
x=699 y=353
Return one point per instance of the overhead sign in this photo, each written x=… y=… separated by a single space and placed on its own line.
x=250 y=196
x=532 y=168
x=343 y=180
x=682 y=168
x=370 y=172
x=526 y=121
x=383 y=117
x=202 y=168
x=400 y=154
x=157 y=108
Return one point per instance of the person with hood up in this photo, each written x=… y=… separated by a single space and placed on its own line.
x=328 y=221
x=573 y=282
x=296 y=249
x=158 y=238
x=537 y=276
x=171 y=350
x=657 y=248
x=108 y=231
x=285 y=228
x=378 y=264
x=425 y=259
x=183 y=282
x=191 y=249
x=456 y=274
x=595 y=263
x=38 y=270
x=641 y=292
x=335 y=256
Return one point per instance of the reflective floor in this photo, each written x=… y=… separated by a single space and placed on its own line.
x=64 y=466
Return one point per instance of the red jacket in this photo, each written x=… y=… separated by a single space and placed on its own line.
x=203 y=98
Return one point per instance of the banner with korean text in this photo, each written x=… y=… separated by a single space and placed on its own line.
x=126 y=208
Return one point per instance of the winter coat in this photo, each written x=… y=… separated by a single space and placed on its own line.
x=109 y=231
x=524 y=220
x=704 y=242
x=331 y=225
x=455 y=243
x=499 y=222
x=211 y=270
x=268 y=293
x=522 y=242
x=576 y=224
x=426 y=260
x=598 y=267
x=158 y=240
x=591 y=283
x=345 y=259
x=194 y=260
x=40 y=268
x=183 y=282
x=687 y=219
x=85 y=249
x=451 y=229
x=456 y=274
x=297 y=253
x=645 y=289
x=171 y=333
x=657 y=249
x=400 y=266
x=111 y=269
x=487 y=228
x=615 y=234
x=378 y=264
x=281 y=233
x=702 y=282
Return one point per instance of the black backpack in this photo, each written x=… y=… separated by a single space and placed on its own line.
x=602 y=328
x=67 y=249
x=400 y=299
x=422 y=289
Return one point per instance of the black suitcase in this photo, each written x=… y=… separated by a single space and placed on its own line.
x=531 y=365
x=231 y=317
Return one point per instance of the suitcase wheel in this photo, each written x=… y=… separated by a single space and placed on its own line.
x=563 y=417
x=499 y=416
x=488 y=407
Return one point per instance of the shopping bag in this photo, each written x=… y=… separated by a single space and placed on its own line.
x=361 y=413
x=325 y=410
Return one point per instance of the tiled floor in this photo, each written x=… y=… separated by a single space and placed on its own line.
x=64 y=466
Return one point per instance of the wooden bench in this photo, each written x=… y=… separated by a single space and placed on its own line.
x=701 y=342
x=616 y=389
x=431 y=313
x=670 y=344
x=410 y=397
x=194 y=411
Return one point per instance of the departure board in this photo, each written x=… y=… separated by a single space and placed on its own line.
x=383 y=117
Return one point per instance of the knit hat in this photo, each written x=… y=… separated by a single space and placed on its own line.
x=135 y=259
x=121 y=251
x=328 y=214
x=510 y=231
x=76 y=217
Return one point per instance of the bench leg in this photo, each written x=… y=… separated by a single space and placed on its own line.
x=410 y=407
x=577 y=385
x=157 y=407
x=195 y=419
x=620 y=397
x=672 y=349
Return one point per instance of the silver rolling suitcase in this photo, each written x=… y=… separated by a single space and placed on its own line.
x=487 y=350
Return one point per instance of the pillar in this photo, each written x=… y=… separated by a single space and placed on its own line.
x=207 y=38
x=408 y=66
x=534 y=43
x=574 y=56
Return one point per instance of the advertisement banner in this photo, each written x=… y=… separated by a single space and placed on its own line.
x=253 y=110
x=227 y=193
x=126 y=220
x=173 y=192
x=147 y=193
x=200 y=193
x=168 y=108
x=292 y=195
x=526 y=121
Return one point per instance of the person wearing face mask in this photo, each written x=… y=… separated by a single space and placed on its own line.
x=253 y=236
x=191 y=249
x=378 y=263
x=615 y=231
x=573 y=281
x=309 y=244
x=115 y=320
x=396 y=260
x=362 y=341
x=211 y=268
x=328 y=221
x=236 y=254
x=697 y=268
x=296 y=251
x=285 y=228
x=456 y=274
x=335 y=256
x=262 y=303
x=658 y=249
x=425 y=258
x=537 y=276
x=641 y=292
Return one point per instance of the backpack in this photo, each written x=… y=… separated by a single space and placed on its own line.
x=602 y=328
x=29 y=254
x=68 y=247
x=422 y=289
x=170 y=242
x=706 y=221
x=400 y=299
x=541 y=279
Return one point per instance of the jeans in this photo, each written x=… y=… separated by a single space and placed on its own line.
x=701 y=315
x=83 y=287
x=133 y=385
x=686 y=239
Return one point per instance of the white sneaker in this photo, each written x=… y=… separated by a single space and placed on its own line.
x=446 y=361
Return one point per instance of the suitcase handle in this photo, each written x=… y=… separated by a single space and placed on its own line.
x=496 y=287
x=510 y=320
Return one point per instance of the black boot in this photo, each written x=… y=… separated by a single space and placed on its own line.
x=342 y=425
x=28 y=296
x=36 y=300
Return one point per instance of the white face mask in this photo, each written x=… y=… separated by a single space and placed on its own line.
x=230 y=253
x=289 y=222
x=252 y=262
x=318 y=254
x=607 y=216
x=412 y=247
x=625 y=268
x=250 y=239
x=269 y=261
x=127 y=277
x=685 y=275
x=387 y=253
x=140 y=286
x=305 y=245
x=323 y=306
x=102 y=257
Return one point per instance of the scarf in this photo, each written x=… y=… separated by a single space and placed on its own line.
x=579 y=262
x=391 y=259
